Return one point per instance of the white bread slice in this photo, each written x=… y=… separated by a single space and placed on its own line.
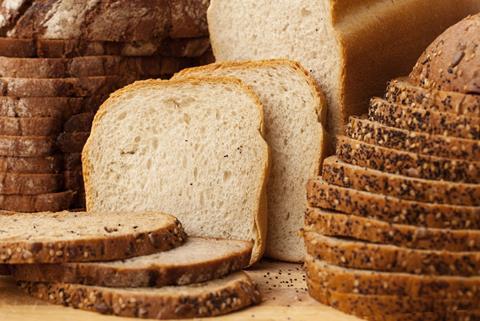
x=351 y=47
x=198 y=260
x=294 y=109
x=191 y=147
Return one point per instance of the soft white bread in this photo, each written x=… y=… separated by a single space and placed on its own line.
x=294 y=109
x=192 y=147
x=351 y=47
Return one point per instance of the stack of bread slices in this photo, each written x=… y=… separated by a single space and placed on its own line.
x=127 y=264
x=393 y=228
x=59 y=60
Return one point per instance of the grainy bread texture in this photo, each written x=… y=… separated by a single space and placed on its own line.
x=198 y=260
x=212 y=298
x=32 y=126
x=192 y=147
x=338 y=42
x=83 y=237
x=294 y=111
x=27 y=146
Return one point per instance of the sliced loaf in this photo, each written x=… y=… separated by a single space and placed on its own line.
x=27 y=146
x=30 y=184
x=405 y=163
x=193 y=147
x=52 y=202
x=294 y=109
x=212 y=298
x=188 y=18
x=35 y=165
x=82 y=237
x=357 y=227
x=390 y=258
x=198 y=260
x=31 y=126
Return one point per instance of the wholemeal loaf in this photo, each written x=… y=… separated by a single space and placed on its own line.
x=403 y=92
x=189 y=18
x=212 y=298
x=391 y=209
x=390 y=258
x=405 y=163
x=83 y=237
x=368 y=282
x=54 y=202
x=31 y=126
x=30 y=184
x=198 y=260
x=451 y=62
x=72 y=142
x=35 y=165
x=418 y=119
x=27 y=146
x=338 y=42
x=412 y=141
x=193 y=147
x=294 y=109
x=339 y=173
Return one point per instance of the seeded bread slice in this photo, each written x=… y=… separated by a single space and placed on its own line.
x=84 y=237
x=345 y=280
x=343 y=174
x=391 y=209
x=72 y=142
x=51 y=202
x=212 y=298
x=413 y=141
x=403 y=92
x=79 y=123
x=30 y=184
x=418 y=119
x=31 y=126
x=198 y=260
x=376 y=231
x=390 y=258
x=404 y=163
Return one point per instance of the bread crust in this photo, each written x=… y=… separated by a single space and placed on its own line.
x=237 y=292
x=27 y=146
x=32 y=165
x=30 y=184
x=259 y=215
x=52 y=202
x=188 y=18
x=35 y=126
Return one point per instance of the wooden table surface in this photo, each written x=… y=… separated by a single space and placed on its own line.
x=282 y=286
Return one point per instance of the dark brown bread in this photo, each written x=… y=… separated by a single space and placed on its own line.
x=186 y=47
x=401 y=91
x=35 y=165
x=368 y=282
x=404 y=163
x=391 y=209
x=418 y=119
x=343 y=174
x=208 y=299
x=51 y=202
x=452 y=61
x=74 y=180
x=4 y=270
x=30 y=184
x=72 y=142
x=189 y=18
x=79 y=123
x=390 y=258
x=85 y=237
x=72 y=161
x=33 y=146
x=357 y=227
x=413 y=141
x=31 y=126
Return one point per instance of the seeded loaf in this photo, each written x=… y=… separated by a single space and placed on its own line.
x=198 y=260
x=390 y=258
x=368 y=282
x=391 y=209
x=337 y=172
x=81 y=122
x=418 y=119
x=200 y=137
x=412 y=141
x=34 y=165
x=357 y=227
x=188 y=18
x=52 y=202
x=212 y=298
x=85 y=237
x=338 y=42
x=31 y=126
x=451 y=62
x=27 y=146
x=72 y=142
x=294 y=110
x=404 y=163
x=402 y=91
x=30 y=184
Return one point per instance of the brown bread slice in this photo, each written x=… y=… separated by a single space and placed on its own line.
x=85 y=237
x=212 y=298
x=79 y=123
x=403 y=92
x=31 y=126
x=30 y=184
x=343 y=174
x=50 y=202
x=74 y=180
x=186 y=47
x=390 y=258
x=35 y=165
x=345 y=280
x=418 y=119
x=72 y=161
x=198 y=260
x=188 y=18
x=404 y=163
x=413 y=141
x=72 y=142
x=393 y=308
x=27 y=146
x=391 y=209
x=62 y=107
x=376 y=231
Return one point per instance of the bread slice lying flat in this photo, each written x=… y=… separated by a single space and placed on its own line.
x=83 y=237
x=198 y=260
x=294 y=109
x=216 y=297
x=191 y=147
